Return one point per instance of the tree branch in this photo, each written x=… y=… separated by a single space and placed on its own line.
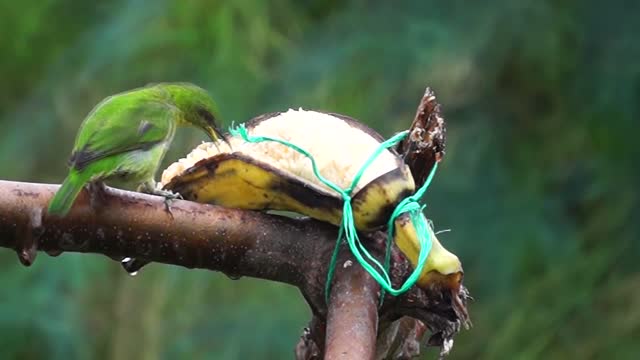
x=352 y=321
x=237 y=243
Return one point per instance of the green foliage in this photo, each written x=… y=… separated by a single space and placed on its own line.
x=539 y=183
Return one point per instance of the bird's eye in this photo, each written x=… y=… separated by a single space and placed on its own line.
x=206 y=115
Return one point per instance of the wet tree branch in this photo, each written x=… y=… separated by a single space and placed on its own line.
x=237 y=243
x=352 y=320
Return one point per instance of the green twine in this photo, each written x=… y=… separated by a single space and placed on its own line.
x=347 y=226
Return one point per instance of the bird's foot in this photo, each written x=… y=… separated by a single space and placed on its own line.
x=97 y=194
x=169 y=196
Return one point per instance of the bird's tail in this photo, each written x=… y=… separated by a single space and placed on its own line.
x=65 y=196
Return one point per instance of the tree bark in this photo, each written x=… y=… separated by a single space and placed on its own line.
x=237 y=243
x=352 y=321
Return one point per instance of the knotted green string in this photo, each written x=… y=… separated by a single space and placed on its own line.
x=347 y=226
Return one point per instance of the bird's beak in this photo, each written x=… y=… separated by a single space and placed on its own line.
x=214 y=133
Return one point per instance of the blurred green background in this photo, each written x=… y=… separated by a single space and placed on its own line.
x=539 y=184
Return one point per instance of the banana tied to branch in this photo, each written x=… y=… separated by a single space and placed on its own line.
x=271 y=176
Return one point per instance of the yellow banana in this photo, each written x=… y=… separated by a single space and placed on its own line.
x=442 y=267
x=270 y=176
x=267 y=175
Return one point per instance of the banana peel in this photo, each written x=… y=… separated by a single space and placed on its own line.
x=236 y=180
x=270 y=176
x=441 y=268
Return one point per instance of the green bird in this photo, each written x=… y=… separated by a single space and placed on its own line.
x=125 y=137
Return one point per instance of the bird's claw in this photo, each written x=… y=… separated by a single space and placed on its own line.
x=97 y=194
x=167 y=205
x=170 y=197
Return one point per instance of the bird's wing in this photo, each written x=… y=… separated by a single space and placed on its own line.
x=115 y=127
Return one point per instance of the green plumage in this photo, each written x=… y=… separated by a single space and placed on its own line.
x=125 y=137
